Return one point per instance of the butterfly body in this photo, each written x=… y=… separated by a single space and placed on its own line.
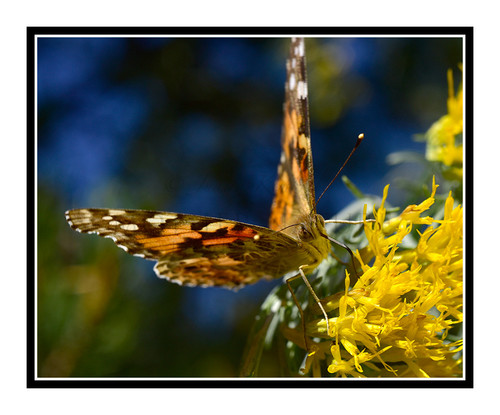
x=205 y=251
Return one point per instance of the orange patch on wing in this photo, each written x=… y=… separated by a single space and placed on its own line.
x=169 y=241
x=291 y=130
x=230 y=237
x=161 y=244
x=185 y=233
x=303 y=170
x=242 y=233
x=220 y=241
x=281 y=211
x=282 y=208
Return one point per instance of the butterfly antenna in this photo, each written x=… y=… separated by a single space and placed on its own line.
x=358 y=142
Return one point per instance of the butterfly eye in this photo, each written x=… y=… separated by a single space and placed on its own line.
x=304 y=233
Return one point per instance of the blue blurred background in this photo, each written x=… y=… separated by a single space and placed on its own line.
x=193 y=125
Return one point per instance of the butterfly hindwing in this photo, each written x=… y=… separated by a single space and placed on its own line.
x=294 y=190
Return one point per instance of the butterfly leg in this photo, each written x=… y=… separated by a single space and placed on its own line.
x=311 y=290
x=342 y=245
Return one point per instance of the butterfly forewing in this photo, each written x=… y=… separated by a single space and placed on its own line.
x=194 y=250
x=294 y=190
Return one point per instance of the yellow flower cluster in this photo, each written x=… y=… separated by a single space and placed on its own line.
x=395 y=319
x=444 y=142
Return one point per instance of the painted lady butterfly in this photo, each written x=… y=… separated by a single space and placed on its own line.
x=204 y=251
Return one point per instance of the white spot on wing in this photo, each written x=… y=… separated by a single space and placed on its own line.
x=160 y=218
x=129 y=227
x=302 y=89
x=292 y=82
x=166 y=216
x=300 y=49
x=107 y=217
x=114 y=223
x=113 y=212
x=215 y=226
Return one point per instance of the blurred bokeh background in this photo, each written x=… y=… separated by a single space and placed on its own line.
x=193 y=125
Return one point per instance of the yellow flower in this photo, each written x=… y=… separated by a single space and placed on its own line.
x=444 y=137
x=395 y=319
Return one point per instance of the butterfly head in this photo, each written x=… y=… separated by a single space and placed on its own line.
x=311 y=234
